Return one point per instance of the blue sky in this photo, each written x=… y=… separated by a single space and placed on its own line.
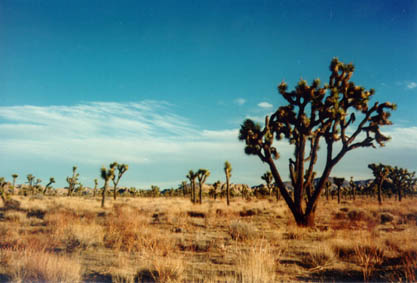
x=164 y=85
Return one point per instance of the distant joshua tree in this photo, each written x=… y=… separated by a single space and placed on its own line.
x=228 y=173
x=121 y=169
x=72 y=181
x=268 y=178
x=191 y=176
x=106 y=175
x=184 y=188
x=327 y=188
x=339 y=183
x=336 y=115
x=402 y=180
x=3 y=184
x=155 y=191
x=216 y=187
x=95 y=187
x=14 y=176
x=51 y=181
x=30 y=181
x=352 y=188
x=37 y=185
x=380 y=172
x=202 y=175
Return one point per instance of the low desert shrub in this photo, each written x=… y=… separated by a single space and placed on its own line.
x=38 y=266
x=368 y=256
x=386 y=217
x=321 y=256
x=258 y=264
x=242 y=231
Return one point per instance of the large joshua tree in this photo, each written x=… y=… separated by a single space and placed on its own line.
x=380 y=172
x=202 y=175
x=72 y=181
x=228 y=173
x=121 y=169
x=106 y=175
x=316 y=113
x=191 y=176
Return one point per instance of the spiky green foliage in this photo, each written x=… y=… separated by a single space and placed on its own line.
x=48 y=186
x=202 y=175
x=72 y=181
x=192 y=176
x=380 y=172
x=314 y=113
x=228 y=173
x=106 y=175
x=121 y=169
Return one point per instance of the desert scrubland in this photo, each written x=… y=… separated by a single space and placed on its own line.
x=73 y=239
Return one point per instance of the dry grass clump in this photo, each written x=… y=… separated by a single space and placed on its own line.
x=40 y=266
x=242 y=231
x=368 y=257
x=167 y=270
x=343 y=249
x=258 y=264
x=321 y=256
x=127 y=230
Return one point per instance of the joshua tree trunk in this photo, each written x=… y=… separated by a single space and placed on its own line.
x=200 y=194
x=194 y=193
x=277 y=193
x=191 y=192
x=14 y=184
x=227 y=190
x=327 y=193
x=104 y=194
x=115 y=191
x=379 y=191
x=400 y=196
x=338 y=194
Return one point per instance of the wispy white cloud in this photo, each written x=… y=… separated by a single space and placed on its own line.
x=265 y=105
x=147 y=135
x=240 y=101
x=159 y=145
x=411 y=85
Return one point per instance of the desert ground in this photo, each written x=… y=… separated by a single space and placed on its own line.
x=72 y=239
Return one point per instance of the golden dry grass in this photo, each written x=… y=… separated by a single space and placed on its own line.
x=60 y=239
